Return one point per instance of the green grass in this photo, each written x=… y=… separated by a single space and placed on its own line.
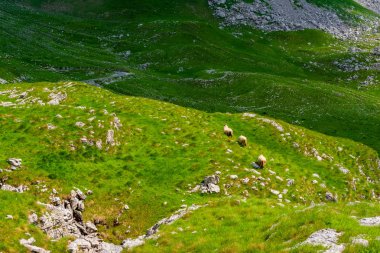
x=164 y=150
x=209 y=76
x=290 y=76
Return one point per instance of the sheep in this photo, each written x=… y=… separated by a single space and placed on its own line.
x=228 y=131
x=242 y=140
x=260 y=163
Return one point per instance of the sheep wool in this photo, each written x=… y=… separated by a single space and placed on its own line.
x=228 y=131
x=261 y=161
x=242 y=140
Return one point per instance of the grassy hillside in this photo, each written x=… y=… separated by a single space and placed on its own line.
x=162 y=151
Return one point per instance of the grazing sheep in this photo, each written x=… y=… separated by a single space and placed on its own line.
x=242 y=140
x=228 y=131
x=260 y=163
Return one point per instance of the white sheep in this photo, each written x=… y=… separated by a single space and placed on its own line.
x=242 y=140
x=228 y=131
x=261 y=161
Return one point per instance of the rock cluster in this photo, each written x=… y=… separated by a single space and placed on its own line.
x=208 y=185
x=10 y=188
x=64 y=219
x=57 y=98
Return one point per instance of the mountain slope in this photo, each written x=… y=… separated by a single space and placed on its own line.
x=158 y=153
x=177 y=53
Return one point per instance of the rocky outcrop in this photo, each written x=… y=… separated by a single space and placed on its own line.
x=64 y=219
x=287 y=15
x=373 y=5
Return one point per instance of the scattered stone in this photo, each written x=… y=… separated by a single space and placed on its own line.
x=80 y=124
x=33 y=218
x=234 y=177
x=110 y=138
x=273 y=123
x=344 y=170
x=331 y=197
x=275 y=192
x=116 y=123
x=289 y=182
x=245 y=180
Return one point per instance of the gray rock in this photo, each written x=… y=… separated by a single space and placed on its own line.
x=110 y=138
x=208 y=185
x=286 y=15
x=57 y=98
x=132 y=243
x=10 y=188
x=33 y=218
x=331 y=197
x=289 y=182
x=359 y=240
x=327 y=238
x=90 y=227
x=110 y=248
x=372 y=221
x=29 y=245
x=15 y=163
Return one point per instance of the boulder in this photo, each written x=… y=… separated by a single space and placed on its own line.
x=15 y=163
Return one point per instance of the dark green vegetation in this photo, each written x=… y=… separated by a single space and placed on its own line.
x=176 y=52
x=162 y=152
